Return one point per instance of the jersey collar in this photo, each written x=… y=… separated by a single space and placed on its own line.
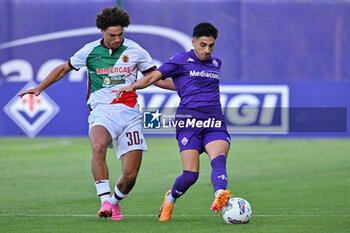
x=194 y=56
x=112 y=50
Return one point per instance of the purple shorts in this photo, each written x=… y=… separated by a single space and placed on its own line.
x=196 y=139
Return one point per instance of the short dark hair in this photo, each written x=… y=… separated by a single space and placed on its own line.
x=205 y=29
x=112 y=16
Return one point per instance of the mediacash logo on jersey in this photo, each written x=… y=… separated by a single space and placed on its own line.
x=152 y=120
x=31 y=113
x=204 y=73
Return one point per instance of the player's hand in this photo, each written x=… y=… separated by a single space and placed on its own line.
x=122 y=90
x=34 y=91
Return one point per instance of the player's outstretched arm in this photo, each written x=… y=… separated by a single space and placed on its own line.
x=54 y=76
x=141 y=83
x=166 y=84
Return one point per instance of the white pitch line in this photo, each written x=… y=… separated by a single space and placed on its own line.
x=181 y=215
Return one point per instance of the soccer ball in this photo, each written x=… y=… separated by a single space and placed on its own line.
x=237 y=211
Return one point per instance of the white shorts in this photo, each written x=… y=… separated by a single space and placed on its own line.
x=123 y=123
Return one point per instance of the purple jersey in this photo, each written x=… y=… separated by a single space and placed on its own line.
x=197 y=84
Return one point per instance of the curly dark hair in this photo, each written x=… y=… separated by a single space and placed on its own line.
x=112 y=16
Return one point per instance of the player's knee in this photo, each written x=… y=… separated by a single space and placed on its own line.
x=98 y=148
x=190 y=177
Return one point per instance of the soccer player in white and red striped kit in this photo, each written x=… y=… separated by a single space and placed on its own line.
x=112 y=62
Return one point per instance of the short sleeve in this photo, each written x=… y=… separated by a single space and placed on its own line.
x=145 y=61
x=172 y=67
x=78 y=60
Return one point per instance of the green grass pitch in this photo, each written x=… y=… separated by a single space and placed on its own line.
x=293 y=185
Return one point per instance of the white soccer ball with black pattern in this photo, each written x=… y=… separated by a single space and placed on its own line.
x=237 y=211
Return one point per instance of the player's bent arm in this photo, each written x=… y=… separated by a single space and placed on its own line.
x=142 y=83
x=55 y=75
x=166 y=84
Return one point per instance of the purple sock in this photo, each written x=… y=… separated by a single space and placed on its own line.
x=218 y=173
x=183 y=183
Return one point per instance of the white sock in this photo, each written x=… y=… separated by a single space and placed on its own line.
x=105 y=198
x=121 y=196
x=218 y=191
x=103 y=189
x=170 y=198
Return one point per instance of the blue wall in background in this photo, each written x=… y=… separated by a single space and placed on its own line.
x=290 y=52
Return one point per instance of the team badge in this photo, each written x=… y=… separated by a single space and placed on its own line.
x=125 y=58
x=184 y=141
x=98 y=59
x=215 y=63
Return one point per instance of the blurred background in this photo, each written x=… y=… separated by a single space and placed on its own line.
x=287 y=60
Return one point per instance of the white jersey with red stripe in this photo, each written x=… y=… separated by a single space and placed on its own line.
x=110 y=70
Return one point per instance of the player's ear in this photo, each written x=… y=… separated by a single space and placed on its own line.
x=102 y=32
x=193 y=41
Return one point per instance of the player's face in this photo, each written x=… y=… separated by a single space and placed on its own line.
x=113 y=36
x=203 y=47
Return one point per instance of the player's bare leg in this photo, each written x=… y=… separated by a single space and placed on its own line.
x=131 y=162
x=99 y=139
x=217 y=151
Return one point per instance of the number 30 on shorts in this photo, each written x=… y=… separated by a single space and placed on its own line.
x=134 y=138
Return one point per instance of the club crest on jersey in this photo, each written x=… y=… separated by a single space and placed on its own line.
x=125 y=58
x=98 y=59
x=215 y=63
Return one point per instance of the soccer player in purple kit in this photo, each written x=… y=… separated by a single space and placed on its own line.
x=196 y=77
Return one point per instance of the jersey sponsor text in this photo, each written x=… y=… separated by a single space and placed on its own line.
x=113 y=70
x=203 y=73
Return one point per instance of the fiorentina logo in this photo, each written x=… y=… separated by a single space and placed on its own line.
x=31 y=113
x=184 y=141
x=215 y=63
